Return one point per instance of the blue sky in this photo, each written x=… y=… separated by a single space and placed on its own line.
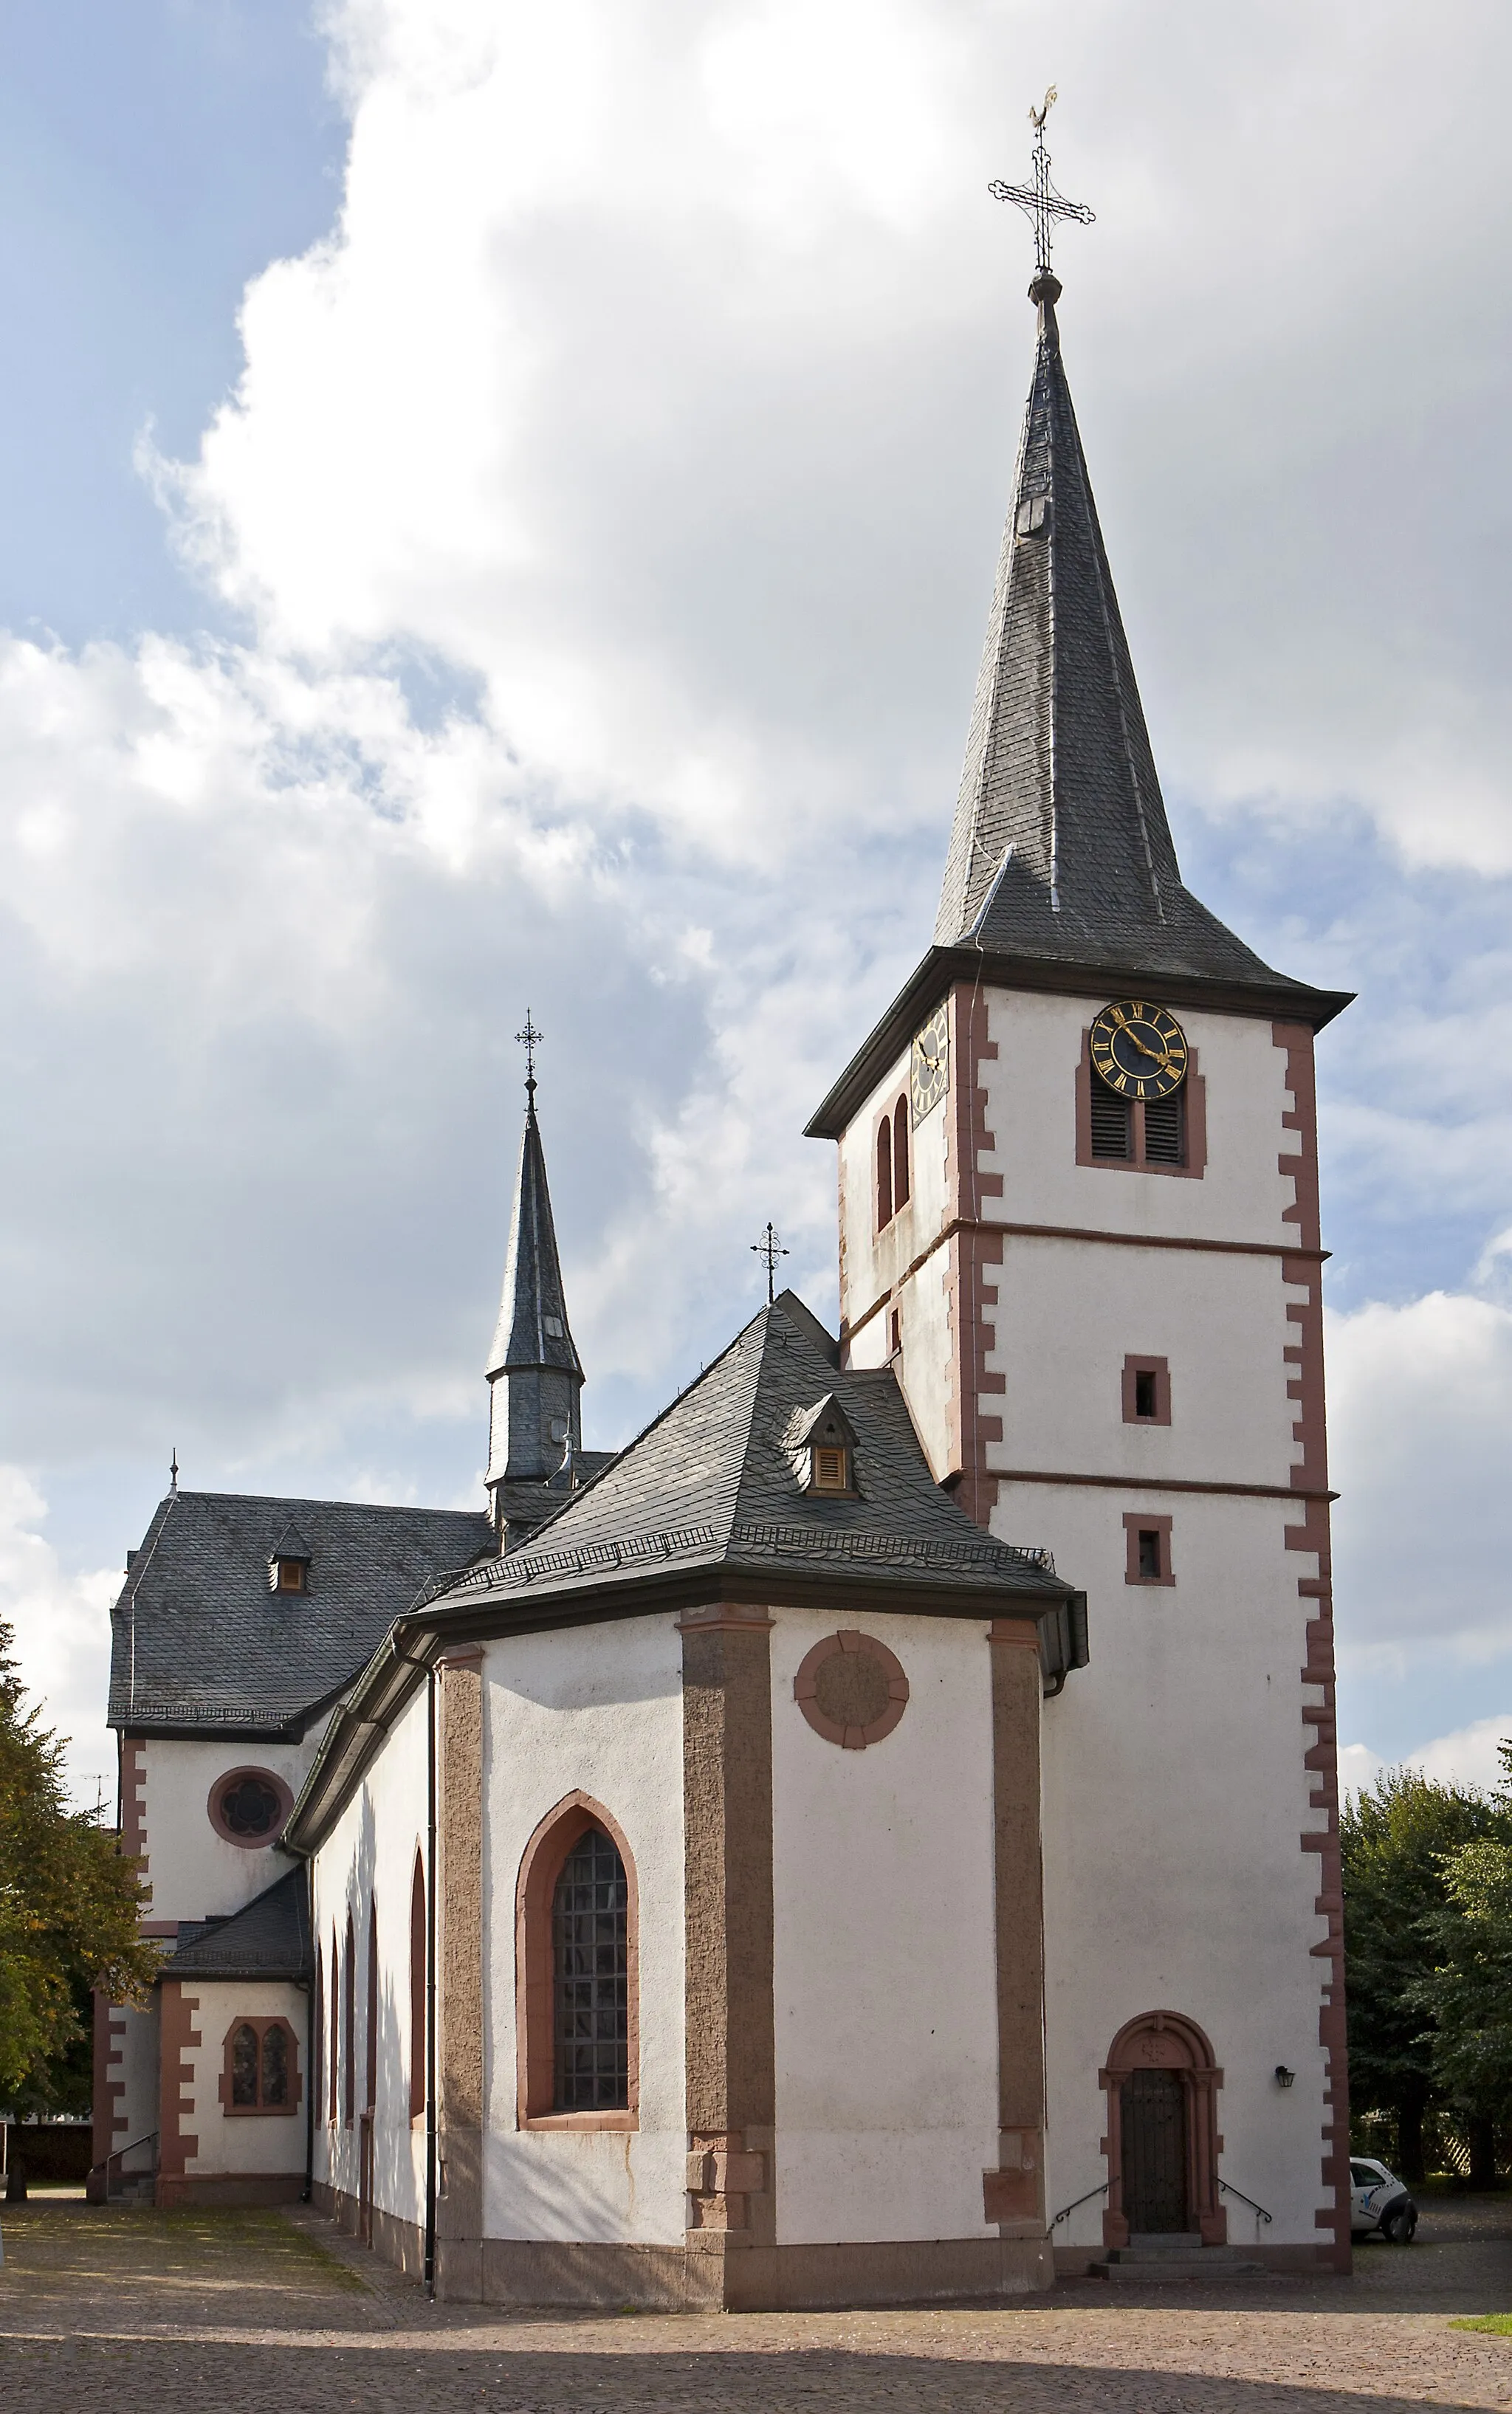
x=498 y=509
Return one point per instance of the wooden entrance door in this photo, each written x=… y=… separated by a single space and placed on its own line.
x=1155 y=2152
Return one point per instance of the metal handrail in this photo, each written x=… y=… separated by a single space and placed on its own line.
x=149 y=2138
x=1227 y=2190
x=1067 y=2210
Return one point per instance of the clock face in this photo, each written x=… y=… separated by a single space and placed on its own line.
x=929 y=1065
x=1139 y=1050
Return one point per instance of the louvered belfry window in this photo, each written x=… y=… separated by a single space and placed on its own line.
x=589 y=1937
x=1164 y=1136
x=1112 y=1121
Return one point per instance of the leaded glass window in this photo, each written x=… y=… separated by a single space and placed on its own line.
x=275 y=2066
x=590 y=1939
x=243 y=2065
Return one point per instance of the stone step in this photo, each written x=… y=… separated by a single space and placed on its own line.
x=1140 y=2267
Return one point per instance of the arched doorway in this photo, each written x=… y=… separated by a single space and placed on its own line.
x=1161 y=2083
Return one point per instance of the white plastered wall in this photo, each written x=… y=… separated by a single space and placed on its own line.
x=1174 y=1789
x=596 y=1709
x=366 y=1861
x=885 y=1949
x=194 y=1873
x=252 y=2143
x=134 y=2062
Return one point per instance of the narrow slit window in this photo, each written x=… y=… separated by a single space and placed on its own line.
x=900 y=1155
x=1113 y=1133
x=590 y=1952
x=1146 y=1402
x=1151 y=1567
x=884 y=1173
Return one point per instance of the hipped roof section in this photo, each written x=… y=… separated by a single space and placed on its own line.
x=705 y=1507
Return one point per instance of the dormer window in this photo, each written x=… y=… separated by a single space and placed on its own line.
x=821 y=1449
x=289 y=1562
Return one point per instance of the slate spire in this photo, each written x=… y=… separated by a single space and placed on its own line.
x=535 y=1376
x=1060 y=847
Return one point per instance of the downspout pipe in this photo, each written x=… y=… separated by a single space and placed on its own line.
x=430 y=1984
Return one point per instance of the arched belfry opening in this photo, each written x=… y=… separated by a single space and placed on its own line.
x=1161 y=2084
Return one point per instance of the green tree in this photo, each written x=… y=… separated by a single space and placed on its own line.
x=1467 y=1994
x=1396 y=1839
x=69 y=1911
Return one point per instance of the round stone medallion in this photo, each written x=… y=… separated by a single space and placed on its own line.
x=852 y=1689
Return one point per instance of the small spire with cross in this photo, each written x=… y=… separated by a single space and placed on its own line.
x=769 y=1248
x=530 y=1039
x=1038 y=200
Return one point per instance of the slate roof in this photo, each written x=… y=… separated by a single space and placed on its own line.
x=1061 y=848
x=269 y=1938
x=533 y=1294
x=201 y=1644
x=712 y=1483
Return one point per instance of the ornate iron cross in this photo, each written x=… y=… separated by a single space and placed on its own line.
x=1040 y=200
x=530 y=1039
x=769 y=1248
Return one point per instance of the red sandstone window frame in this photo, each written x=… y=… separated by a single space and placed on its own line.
x=1143 y=1521
x=334 y=2015
x=1160 y=1369
x=317 y=2032
x=535 y=2054
x=260 y=2023
x=349 y=2024
x=370 y=2017
x=1196 y=1089
x=235 y=1776
x=417 y=1990
x=902 y=1179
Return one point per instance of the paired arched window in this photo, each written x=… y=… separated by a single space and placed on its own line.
x=892 y=1184
x=577 y=1972
x=262 y=2066
x=417 y=1990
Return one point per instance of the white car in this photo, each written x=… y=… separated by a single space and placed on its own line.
x=1378 y=2201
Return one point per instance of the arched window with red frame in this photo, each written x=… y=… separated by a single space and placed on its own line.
x=370 y=2041
x=576 y=1927
x=417 y=1990
x=317 y=2032
x=334 y=2013
x=348 y=2027
x=884 y=1173
x=900 y=1155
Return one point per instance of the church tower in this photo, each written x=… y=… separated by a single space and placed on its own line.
x=535 y=1375
x=1079 y=1218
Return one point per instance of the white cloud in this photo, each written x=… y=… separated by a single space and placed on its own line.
x=63 y=1637
x=1420 y=1407
x=1469 y=1757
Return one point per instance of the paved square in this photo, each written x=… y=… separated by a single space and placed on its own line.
x=247 y=2312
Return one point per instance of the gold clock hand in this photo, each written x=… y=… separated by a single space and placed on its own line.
x=1160 y=1058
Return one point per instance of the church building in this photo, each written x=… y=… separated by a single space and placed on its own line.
x=874 y=1838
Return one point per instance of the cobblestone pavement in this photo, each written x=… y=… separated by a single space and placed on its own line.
x=248 y=2313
